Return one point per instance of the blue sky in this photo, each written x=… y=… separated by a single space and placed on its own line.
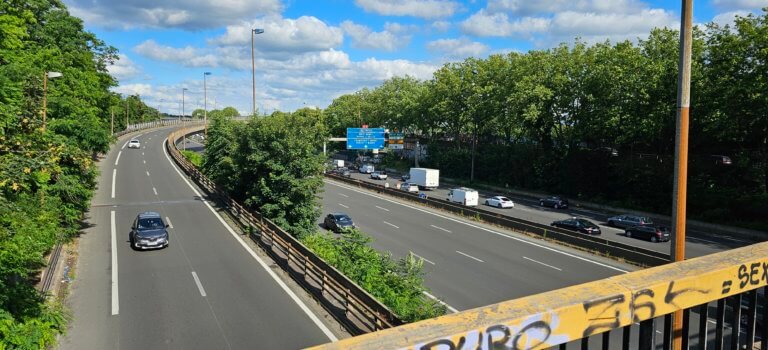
x=313 y=51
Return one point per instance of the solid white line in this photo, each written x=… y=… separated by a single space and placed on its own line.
x=469 y=256
x=199 y=285
x=344 y=195
x=142 y=153
x=441 y=302
x=384 y=209
x=422 y=258
x=539 y=262
x=168 y=221
x=440 y=228
x=114 y=174
x=115 y=300
x=703 y=240
x=126 y=143
x=393 y=225
x=145 y=161
x=154 y=190
x=480 y=228
x=118 y=157
x=147 y=173
x=250 y=251
x=343 y=205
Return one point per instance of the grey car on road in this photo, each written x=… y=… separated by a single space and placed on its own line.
x=626 y=221
x=149 y=232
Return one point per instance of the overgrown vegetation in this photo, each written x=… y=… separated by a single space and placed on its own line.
x=47 y=174
x=564 y=119
x=274 y=166
x=194 y=157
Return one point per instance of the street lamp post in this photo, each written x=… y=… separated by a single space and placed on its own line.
x=183 y=116
x=45 y=88
x=205 y=98
x=253 y=67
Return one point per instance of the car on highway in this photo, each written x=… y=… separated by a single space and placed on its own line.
x=578 y=225
x=499 y=202
x=626 y=220
x=409 y=187
x=134 y=143
x=366 y=169
x=554 y=202
x=379 y=175
x=405 y=177
x=149 y=231
x=338 y=222
x=649 y=232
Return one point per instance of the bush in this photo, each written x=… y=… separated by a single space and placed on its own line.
x=193 y=157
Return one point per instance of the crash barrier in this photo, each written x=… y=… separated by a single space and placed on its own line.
x=352 y=306
x=722 y=297
x=629 y=253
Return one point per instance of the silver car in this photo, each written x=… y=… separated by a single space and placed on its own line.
x=626 y=221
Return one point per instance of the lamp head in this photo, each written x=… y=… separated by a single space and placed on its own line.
x=207 y=73
x=53 y=74
x=258 y=31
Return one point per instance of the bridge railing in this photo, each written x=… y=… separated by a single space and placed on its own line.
x=722 y=295
x=352 y=306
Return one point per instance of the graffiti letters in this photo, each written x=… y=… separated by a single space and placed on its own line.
x=671 y=295
x=607 y=316
x=753 y=274
x=643 y=305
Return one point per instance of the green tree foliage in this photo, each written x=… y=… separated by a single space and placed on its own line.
x=47 y=175
x=553 y=119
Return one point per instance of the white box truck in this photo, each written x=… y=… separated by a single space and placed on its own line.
x=463 y=195
x=425 y=178
x=339 y=163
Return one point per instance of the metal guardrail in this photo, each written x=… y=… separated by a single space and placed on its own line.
x=632 y=254
x=722 y=295
x=50 y=269
x=352 y=306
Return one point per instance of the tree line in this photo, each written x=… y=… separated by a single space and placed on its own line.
x=594 y=122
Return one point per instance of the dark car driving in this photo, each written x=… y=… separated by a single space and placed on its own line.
x=651 y=233
x=149 y=232
x=554 y=202
x=338 y=222
x=578 y=225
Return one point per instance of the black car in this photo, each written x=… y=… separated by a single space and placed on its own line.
x=338 y=222
x=149 y=232
x=405 y=177
x=554 y=202
x=654 y=234
x=579 y=225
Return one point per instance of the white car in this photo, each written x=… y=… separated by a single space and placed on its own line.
x=379 y=175
x=409 y=187
x=134 y=143
x=500 y=202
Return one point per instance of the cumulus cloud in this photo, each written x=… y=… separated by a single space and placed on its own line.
x=428 y=9
x=729 y=18
x=134 y=89
x=740 y=4
x=364 y=38
x=188 y=15
x=189 y=56
x=458 y=48
x=123 y=68
x=483 y=23
x=527 y=7
x=441 y=26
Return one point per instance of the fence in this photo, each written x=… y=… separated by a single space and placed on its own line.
x=352 y=306
x=629 y=253
x=722 y=296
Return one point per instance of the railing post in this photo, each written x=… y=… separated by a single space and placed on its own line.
x=646 y=336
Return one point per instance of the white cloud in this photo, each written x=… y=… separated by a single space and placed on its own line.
x=458 y=48
x=189 y=15
x=740 y=4
x=441 y=26
x=188 y=56
x=499 y=24
x=417 y=8
x=728 y=18
x=134 y=89
x=527 y=7
x=364 y=38
x=123 y=68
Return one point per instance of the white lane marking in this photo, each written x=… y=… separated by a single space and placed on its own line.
x=703 y=240
x=384 y=209
x=199 y=285
x=114 y=174
x=126 y=143
x=539 y=262
x=393 y=225
x=154 y=190
x=147 y=173
x=118 y=157
x=115 y=300
x=440 y=228
x=441 y=302
x=422 y=258
x=168 y=221
x=343 y=195
x=481 y=228
x=469 y=256
x=145 y=161
x=250 y=251
x=142 y=153
x=343 y=205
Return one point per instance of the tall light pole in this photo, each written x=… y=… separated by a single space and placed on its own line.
x=183 y=116
x=253 y=67
x=45 y=88
x=205 y=97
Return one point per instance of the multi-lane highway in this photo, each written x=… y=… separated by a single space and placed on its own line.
x=207 y=290
x=698 y=242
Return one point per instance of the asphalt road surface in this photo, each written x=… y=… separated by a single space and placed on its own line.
x=698 y=242
x=207 y=290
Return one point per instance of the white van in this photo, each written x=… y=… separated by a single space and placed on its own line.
x=367 y=169
x=463 y=195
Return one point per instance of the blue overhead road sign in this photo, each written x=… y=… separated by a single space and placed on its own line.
x=365 y=138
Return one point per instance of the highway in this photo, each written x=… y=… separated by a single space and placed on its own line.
x=698 y=242
x=207 y=290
